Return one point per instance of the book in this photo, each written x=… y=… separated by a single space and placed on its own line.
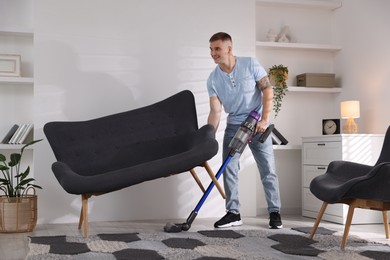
x=17 y=134
x=24 y=134
x=10 y=133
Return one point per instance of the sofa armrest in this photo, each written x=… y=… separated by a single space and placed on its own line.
x=205 y=132
x=68 y=179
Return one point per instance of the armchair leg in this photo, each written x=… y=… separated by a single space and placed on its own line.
x=386 y=223
x=81 y=214
x=318 y=219
x=348 y=224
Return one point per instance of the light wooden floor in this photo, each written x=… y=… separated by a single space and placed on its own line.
x=15 y=246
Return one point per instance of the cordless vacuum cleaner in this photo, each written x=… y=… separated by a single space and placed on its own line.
x=237 y=145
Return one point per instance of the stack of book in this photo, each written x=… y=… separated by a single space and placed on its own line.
x=17 y=134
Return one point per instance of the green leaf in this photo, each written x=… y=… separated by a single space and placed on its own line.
x=4 y=181
x=24 y=182
x=30 y=143
x=3 y=168
x=24 y=174
x=15 y=159
x=2 y=158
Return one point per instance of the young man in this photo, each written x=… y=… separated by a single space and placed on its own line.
x=241 y=85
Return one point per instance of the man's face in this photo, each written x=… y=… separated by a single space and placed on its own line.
x=220 y=51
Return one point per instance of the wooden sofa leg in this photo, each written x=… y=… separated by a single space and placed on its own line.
x=348 y=224
x=386 y=223
x=193 y=173
x=211 y=173
x=81 y=213
x=84 y=213
x=318 y=219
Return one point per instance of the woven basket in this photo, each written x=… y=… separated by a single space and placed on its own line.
x=18 y=214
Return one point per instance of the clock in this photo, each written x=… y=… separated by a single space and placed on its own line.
x=330 y=126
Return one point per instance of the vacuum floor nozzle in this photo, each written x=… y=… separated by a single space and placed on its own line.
x=175 y=228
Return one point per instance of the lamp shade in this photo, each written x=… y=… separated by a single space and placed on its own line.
x=350 y=109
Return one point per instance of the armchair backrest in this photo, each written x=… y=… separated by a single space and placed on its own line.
x=385 y=153
x=107 y=143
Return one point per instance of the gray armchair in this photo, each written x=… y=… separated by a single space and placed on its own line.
x=110 y=153
x=357 y=185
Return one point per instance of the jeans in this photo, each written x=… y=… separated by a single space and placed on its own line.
x=264 y=157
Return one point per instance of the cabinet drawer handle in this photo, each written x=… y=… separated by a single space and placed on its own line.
x=321 y=144
x=321 y=168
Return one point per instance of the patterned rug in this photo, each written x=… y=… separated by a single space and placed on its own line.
x=206 y=245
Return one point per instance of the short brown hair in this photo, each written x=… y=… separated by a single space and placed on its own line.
x=221 y=36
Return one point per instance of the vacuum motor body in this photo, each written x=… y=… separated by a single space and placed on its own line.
x=244 y=133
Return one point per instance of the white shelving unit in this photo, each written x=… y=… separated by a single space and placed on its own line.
x=16 y=93
x=312 y=51
x=304 y=50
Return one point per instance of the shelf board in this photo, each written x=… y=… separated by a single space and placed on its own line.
x=17 y=80
x=17 y=32
x=300 y=46
x=326 y=5
x=316 y=90
x=13 y=147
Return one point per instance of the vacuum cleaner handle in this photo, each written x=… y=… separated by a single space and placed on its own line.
x=266 y=133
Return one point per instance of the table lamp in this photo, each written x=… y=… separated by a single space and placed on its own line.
x=350 y=110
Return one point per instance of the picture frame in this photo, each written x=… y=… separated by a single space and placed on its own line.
x=10 y=65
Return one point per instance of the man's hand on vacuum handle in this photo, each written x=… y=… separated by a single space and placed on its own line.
x=261 y=126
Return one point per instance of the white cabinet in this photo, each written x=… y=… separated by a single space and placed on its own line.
x=16 y=93
x=318 y=152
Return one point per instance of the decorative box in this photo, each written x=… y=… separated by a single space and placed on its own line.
x=319 y=80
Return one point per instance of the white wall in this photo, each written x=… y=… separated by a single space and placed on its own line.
x=364 y=62
x=118 y=55
x=96 y=59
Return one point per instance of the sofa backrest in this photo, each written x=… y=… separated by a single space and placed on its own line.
x=124 y=139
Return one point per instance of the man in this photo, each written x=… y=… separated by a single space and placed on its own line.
x=241 y=85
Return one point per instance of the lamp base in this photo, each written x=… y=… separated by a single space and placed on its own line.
x=350 y=127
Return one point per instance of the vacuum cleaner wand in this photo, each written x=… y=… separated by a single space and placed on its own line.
x=237 y=145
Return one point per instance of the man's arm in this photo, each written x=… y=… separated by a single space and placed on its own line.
x=215 y=112
x=268 y=94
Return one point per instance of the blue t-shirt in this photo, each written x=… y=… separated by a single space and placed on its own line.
x=237 y=90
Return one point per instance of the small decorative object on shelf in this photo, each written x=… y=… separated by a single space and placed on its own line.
x=18 y=209
x=10 y=65
x=278 y=76
x=330 y=126
x=271 y=35
x=316 y=80
x=285 y=35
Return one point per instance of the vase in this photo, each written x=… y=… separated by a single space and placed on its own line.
x=18 y=214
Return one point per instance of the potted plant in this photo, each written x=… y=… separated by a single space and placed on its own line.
x=18 y=210
x=278 y=75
